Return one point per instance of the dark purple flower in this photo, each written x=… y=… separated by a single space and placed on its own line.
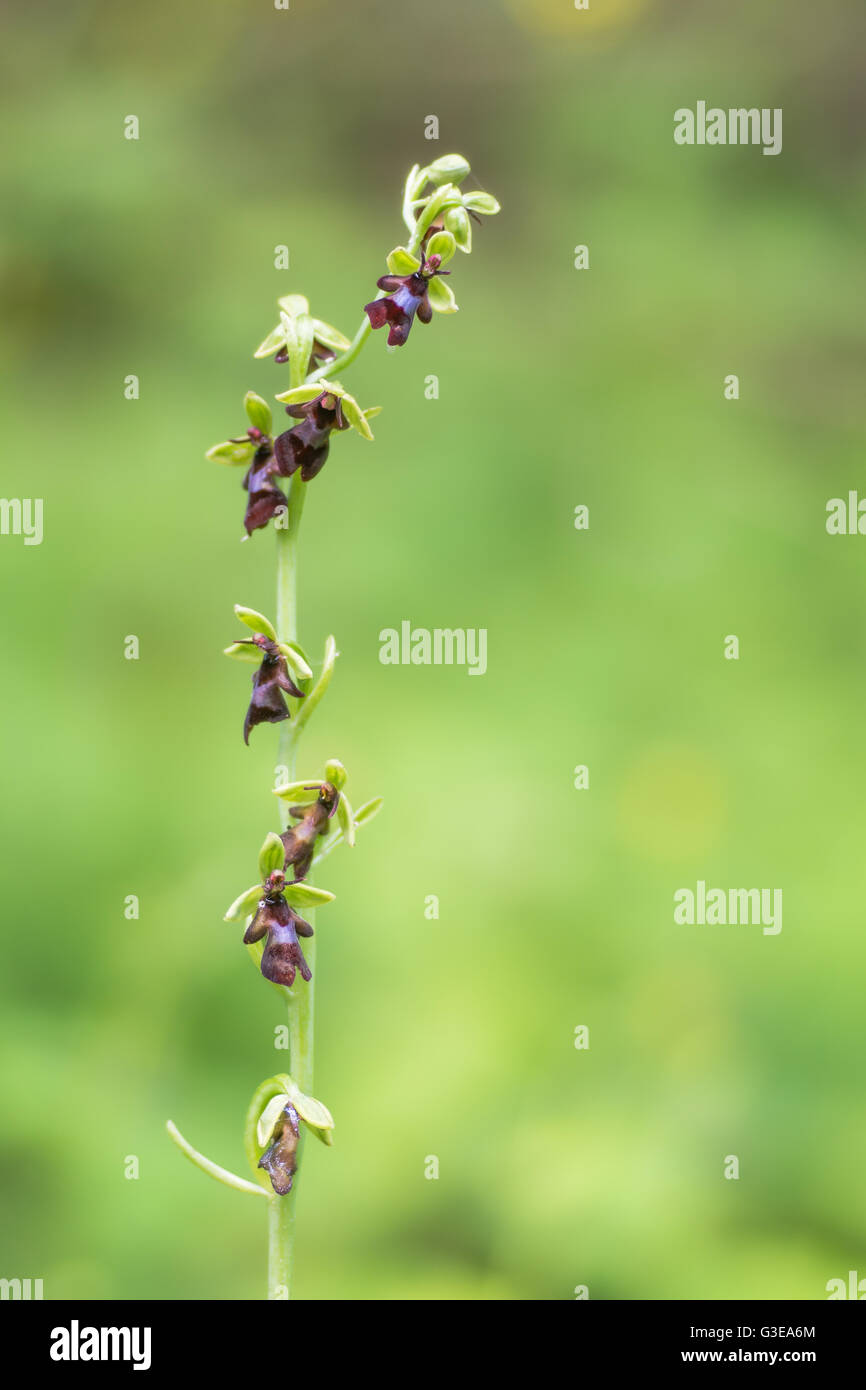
x=265 y=497
x=306 y=445
x=282 y=955
x=280 y=1158
x=268 y=705
x=299 y=841
x=407 y=295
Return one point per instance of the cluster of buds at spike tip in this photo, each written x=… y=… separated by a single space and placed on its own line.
x=439 y=216
x=278 y=1130
x=276 y=662
x=306 y=343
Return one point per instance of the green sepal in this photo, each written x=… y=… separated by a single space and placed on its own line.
x=402 y=262
x=256 y=621
x=448 y=168
x=297 y=395
x=442 y=297
x=346 y=820
x=314 y=1115
x=299 y=343
x=233 y=453
x=267 y=1121
x=244 y=651
x=335 y=773
x=356 y=417
x=306 y=895
x=482 y=203
x=258 y=412
x=305 y=793
x=245 y=905
x=272 y=855
x=331 y=337
x=294 y=304
x=441 y=244
x=459 y=224
x=296 y=660
x=272 y=343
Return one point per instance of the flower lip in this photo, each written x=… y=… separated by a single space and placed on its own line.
x=271 y=683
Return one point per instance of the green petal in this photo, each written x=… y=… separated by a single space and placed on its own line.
x=442 y=297
x=244 y=652
x=305 y=895
x=245 y=904
x=232 y=453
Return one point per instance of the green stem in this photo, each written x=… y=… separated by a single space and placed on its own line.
x=333 y=369
x=281 y=1245
x=281 y=1211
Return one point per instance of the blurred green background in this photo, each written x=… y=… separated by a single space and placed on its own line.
x=558 y=387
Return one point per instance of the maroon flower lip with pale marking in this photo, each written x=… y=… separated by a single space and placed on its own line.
x=407 y=295
x=305 y=446
x=268 y=705
x=264 y=497
x=282 y=956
